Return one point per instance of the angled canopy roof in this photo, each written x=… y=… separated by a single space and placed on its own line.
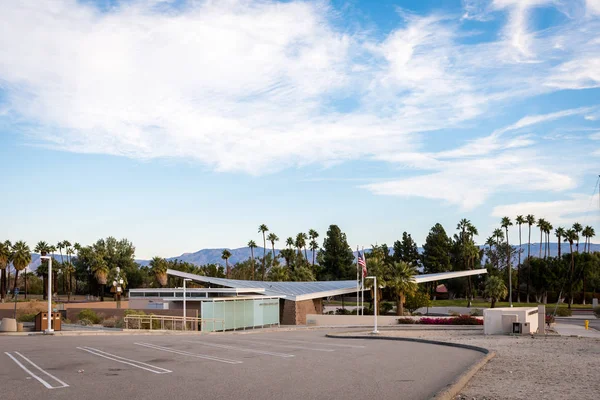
x=298 y=291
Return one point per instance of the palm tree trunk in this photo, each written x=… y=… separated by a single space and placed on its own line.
x=559 y=247
x=252 y=252
x=264 y=255
x=25 y=285
x=15 y=284
x=305 y=254
x=540 y=243
x=2 y=284
x=273 y=244
x=528 y=264
x=399 y=308
x=313 y=264
x=519 y=269
x=572 y=276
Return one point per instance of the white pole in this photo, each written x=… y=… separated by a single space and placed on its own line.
x=184 y=310
x=49 y=329
x=357 y=281
x=375 y=303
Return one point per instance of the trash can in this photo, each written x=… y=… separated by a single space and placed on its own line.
x=517 y=328
x=41 y=321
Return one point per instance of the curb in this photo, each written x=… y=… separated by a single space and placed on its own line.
x=452 y=389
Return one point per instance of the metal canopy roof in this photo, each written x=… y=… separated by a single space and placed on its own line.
x=297 y=291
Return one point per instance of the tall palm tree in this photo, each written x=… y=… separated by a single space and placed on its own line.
x=540 y=225
x=499 y=236
x=547 y=229
x=530 y=221
x=577 y=228
x=158 y=268
x=263 y=229
x=5 y=259
x=560 y=233
x=301 y=244
x=314 y=247
x=43 y=249
x=273 y=238
x=587 y=233
x=313 y=235
x=289 y=242
x=401 y=280
x=505 y=223
x=520 y=221
x=69 y=270
x=571 y=236
x=21 y=259
x=252 y=245
x=225 y=256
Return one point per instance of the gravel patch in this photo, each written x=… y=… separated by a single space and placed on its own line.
x=527 y=367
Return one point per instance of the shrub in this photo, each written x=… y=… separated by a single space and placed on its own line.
x=33 y=307
x=110 y=322
x=460 y=320
x=597 y=312
x=407 y=321
x=417 y=300
x=476 y=313
x=549 y=319
x=89 y=315
x=385 y=307
x=343 y=311
x=26 y=317
x=85 y=322
x=564 y=312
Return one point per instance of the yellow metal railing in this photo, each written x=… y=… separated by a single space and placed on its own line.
x=172 y=323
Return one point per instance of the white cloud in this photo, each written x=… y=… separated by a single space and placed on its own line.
x=242 y=85
x=577 y=207
x=593 y=6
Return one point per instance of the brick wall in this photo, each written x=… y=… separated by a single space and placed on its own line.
x=294 y=312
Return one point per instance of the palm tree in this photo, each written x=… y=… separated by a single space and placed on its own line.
x=263 y=228
x=520 y=221
x=252 y=245
x=313 y=235
x=301 y=244
x=402 y=281
x=158 y=268
x=273 y=238
x=547 y=229
x=587 y=233
x=21 y=259
x=43 y=249
x=289 y=242
x=69 y=270
x=530 y=221
x=505 y=223
x=540 y=225
x=577 y=228
x=560 y=233
x=313 y=246
x=5 y=259
x=225 y=256
x=100 y=270
x=495 y=289
x=499 y=236
x=571 y=236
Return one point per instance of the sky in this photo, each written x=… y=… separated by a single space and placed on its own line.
x=184 y=125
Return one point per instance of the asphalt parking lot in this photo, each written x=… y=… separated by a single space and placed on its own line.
x=275 y=365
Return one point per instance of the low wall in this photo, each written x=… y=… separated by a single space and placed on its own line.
x=367 y=320
x=500 y=320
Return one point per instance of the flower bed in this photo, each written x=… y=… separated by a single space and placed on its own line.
x=459 y=320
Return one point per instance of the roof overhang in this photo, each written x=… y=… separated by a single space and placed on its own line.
x=448 y=275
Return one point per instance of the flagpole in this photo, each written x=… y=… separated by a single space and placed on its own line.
x=362 y=286
x=357 y=279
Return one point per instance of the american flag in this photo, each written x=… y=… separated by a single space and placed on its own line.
x=363 y=264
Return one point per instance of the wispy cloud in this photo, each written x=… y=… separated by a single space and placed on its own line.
x=577 y=207
x=240 y=85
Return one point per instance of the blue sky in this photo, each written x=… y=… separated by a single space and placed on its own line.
x=184 y=125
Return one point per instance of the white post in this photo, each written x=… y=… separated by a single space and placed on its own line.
x=184 y=306
x=375 y=302
x=49 y=330
x=362 y=295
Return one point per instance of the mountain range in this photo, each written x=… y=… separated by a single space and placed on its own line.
x=213 y=256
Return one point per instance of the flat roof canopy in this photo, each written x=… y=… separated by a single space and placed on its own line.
x=298 y=291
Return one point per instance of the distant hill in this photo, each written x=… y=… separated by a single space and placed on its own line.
x=213 y=256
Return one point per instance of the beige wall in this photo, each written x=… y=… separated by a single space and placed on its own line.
x=295 y=312
x=325 y=320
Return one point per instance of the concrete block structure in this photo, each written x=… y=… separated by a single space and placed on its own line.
x=500 y=320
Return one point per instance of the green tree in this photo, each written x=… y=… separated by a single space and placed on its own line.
x=530 y=221
x=301 y=243
x=43 y=248
x=401 y=280
x=540 y=224
x=520 y=221
x=505 y=223
x=314 y=245
x=5 y=260
x=336 y=257
x=273 y=238
x=559 y=233
x=289 y=242
x=158 y=268
x=278 y=273
x=588 y=233
x=69 y=270
x=264 y=229
x=495 y=289
x=577 y=228
x=436 y=251
x=571 y=236
x=100 y=269
x=21 y=259
x=225 y=256
x=252 y=245
x=406 y=250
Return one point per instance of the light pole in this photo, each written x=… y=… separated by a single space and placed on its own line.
x=184 y=305
x=49 y=330
x=118 y=285
x=375 y=303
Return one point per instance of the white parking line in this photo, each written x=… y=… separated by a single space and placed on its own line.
x=319 y=344
x=187 y=353
x=224 y=346
x=289 y=346
x=123 y=360
x=43 y=382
